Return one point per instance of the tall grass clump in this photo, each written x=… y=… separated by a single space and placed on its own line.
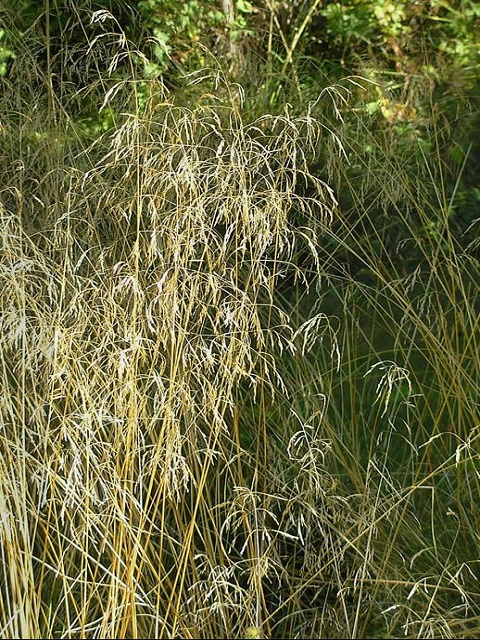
x=140 y=329
x=239 y=356
x=400 y=272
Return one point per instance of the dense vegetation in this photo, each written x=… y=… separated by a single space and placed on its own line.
x=239 y=356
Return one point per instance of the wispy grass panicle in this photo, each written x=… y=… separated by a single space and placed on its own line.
x=139 y=270
x=196 y=441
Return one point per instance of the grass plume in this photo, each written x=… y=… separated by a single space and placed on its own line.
x=195 y=441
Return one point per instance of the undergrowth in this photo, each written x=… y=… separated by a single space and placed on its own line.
x=211 y=425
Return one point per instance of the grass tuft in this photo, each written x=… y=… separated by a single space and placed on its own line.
x=237 y=399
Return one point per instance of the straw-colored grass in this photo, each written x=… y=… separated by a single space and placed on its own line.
x=194 y=442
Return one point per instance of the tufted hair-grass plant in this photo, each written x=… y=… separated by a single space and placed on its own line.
x=138 y=311
x=195 y=440
x=400 y=280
